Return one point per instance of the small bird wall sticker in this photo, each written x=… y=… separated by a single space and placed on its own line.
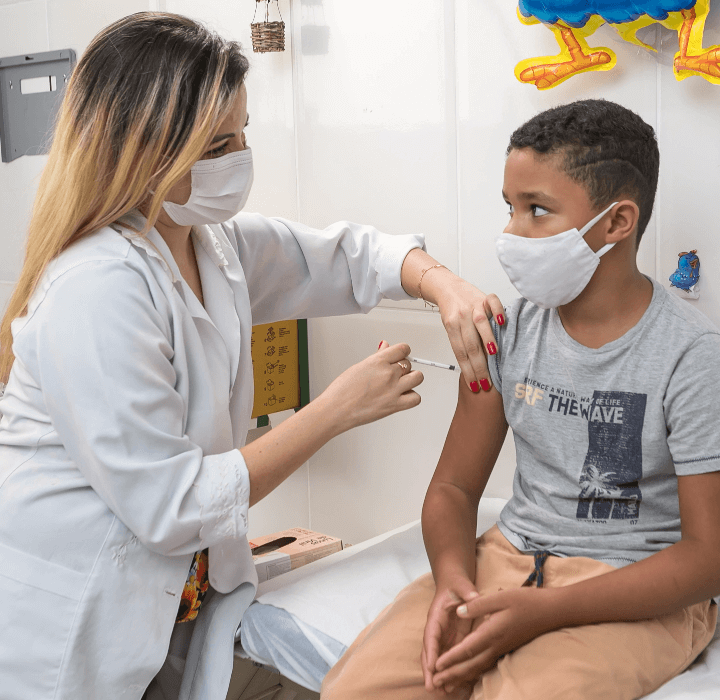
x=686 y=278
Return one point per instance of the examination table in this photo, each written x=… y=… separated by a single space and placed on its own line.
x=318 y=610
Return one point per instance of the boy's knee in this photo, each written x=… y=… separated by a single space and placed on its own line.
x=340 y=687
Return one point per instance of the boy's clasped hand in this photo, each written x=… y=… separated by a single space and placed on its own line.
x=472 y=635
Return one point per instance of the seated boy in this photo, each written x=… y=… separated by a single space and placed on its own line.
x=597 y=581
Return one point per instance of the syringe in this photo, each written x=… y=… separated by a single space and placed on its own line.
x=453 y=368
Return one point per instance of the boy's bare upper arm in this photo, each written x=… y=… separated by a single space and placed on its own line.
x=699 y=496
x=473 y=442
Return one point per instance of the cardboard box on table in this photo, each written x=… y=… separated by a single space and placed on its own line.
x=290 y=549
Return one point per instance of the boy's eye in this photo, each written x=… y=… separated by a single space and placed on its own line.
x=511 y=211
x=538 y=210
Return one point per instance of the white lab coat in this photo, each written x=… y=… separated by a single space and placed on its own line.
x=119 y=425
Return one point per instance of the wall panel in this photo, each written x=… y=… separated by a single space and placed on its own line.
x=376 y=129
x=73 y=23
x=23 y=29
x=5 y=292
x=690 y=171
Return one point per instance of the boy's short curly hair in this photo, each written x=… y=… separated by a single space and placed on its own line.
x=605 y=147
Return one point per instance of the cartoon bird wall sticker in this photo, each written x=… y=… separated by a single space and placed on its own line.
x=687 y=275
x=572 y=21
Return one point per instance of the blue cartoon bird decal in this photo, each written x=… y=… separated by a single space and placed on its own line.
x=687 y=274
x=572 y=21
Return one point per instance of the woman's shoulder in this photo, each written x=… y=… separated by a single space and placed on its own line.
x=93 y=258
x=100 y=270
x=104 y=245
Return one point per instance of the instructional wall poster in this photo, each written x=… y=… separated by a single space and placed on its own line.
x=276 y=367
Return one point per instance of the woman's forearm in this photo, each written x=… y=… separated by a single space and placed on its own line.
x=416 y=261
x=276 y=455
x=465 y=313
x=372 y=389
x=685 y=573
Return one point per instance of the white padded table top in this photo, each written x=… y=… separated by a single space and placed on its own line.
x=341 y=594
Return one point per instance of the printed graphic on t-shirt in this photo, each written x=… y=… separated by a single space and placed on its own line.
x=609 y=480
x=613 y=465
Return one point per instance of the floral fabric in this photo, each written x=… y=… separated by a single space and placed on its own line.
x=195 y=589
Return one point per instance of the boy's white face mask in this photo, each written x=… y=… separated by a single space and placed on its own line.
x=220 y=187
x=550 y=271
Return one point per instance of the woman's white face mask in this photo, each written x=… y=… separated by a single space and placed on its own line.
x=219 y=190
x=550 y=271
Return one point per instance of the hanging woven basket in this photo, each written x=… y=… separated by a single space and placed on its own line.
x=268 y=36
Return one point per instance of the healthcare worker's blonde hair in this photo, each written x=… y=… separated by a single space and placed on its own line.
x=140 y=109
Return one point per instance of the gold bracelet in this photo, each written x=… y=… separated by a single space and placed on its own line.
x=422 y=274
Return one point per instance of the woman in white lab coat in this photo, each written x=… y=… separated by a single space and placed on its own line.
x=126 y=352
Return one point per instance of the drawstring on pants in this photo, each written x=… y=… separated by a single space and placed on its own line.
x=541 y=556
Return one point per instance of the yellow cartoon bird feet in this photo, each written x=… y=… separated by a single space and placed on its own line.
x=547 y=75
x=693 y=59
x=575 y=57
x=707 y=65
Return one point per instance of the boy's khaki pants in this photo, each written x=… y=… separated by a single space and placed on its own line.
x=612 y=661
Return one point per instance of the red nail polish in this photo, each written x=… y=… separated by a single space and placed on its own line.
x=474 y=387
x=492 y=350
x=379 y=346
x=501 y=319
x=485 y=384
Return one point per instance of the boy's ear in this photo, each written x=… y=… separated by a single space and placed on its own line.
x=625 y=216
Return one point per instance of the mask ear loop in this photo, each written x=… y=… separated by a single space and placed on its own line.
x=592 y=223
x=600 y=252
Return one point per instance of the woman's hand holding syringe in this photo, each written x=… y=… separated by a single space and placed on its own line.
x=374 y=388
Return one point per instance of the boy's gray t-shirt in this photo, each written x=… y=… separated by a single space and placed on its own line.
x=601 y=435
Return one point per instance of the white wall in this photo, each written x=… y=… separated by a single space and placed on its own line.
x=32 y=26
x=689 y=171
x=398 y=114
